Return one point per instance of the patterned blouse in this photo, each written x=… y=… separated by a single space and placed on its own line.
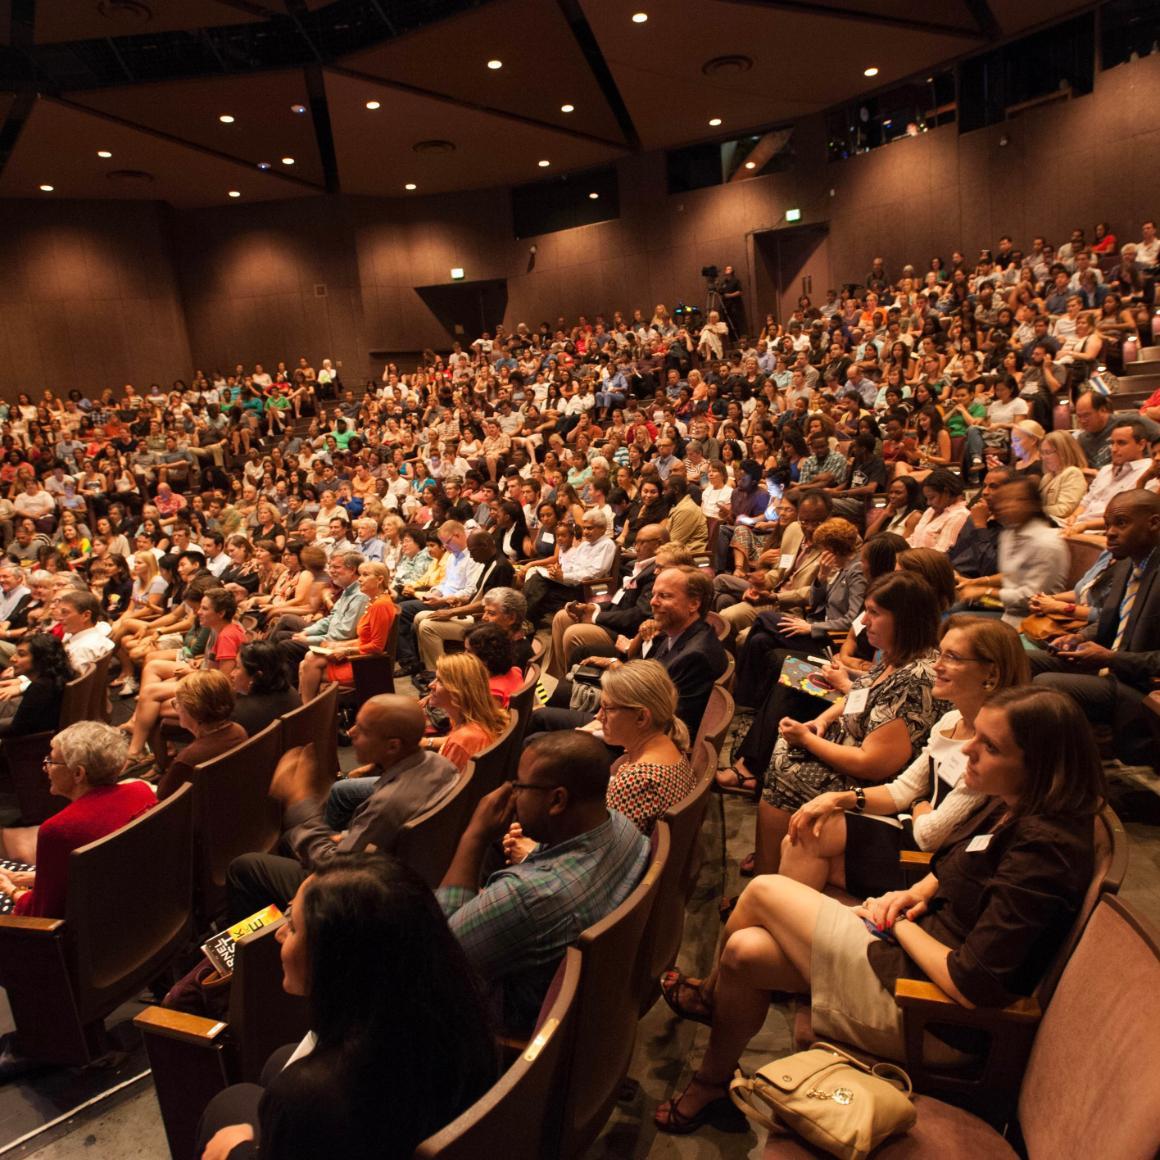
x=644 y=790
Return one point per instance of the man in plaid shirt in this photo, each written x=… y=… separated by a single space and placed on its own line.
x=587 y=861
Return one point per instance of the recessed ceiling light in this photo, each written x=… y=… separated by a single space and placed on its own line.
x=543 y=164
x=751 y=165
x=263 y=165
x=226 y=119
x=47 y=188
x=593 y=196
x=410 y=185
x=103 y=153
x=567 y=108
x=494 y=64
x=235 y=193
x=639 y=17
x=715 y=121
x=299 y=109
x=287 y=160
x=374 y=105
x=872 y=71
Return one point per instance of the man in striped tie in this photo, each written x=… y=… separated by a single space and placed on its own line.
x=1110 y=666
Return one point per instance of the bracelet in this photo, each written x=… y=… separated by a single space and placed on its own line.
x=1069 y=609
x=859 y=799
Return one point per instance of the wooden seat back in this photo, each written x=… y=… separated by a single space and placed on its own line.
x=495 y=764
x=427 y=842
x=100 y=709
x=77 y=699
x=522 y=702
x=315 y=723
x=716 y=719
x=24 y=758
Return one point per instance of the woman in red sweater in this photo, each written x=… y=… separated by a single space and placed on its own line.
x=83 y=766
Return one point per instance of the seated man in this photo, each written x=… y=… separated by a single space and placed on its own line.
x=1109 y=666
x=408 y=780
x=588 y=860
x=548 y=589
x=457 y=620
x=341 y=624
x=1131 y=458
x=86 y=634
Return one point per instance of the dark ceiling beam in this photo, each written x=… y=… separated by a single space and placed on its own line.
x=21 y=26
x=477 y=106
x=323 y=132
x=129 y=77
x=598 y=66
x=298 y=11
x=982 y=15
x=14 y=125
x=808 y=8
x=161 y=135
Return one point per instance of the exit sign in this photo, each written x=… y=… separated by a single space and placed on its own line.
x=793 y=215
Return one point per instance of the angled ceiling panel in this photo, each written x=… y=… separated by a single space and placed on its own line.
x=778 y=64
x=67 y=20
x=264 y=129
x=59 y=147
x=543 y=66
x=376 y=154
x=1017 y=16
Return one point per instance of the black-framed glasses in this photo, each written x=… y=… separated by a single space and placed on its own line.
x=518 y=785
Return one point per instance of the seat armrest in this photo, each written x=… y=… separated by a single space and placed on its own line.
x=920 y=993
x=915 y=857
x=193 y=1029
x=16 y=924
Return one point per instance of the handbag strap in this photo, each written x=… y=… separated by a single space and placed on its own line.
x=741 y=1093
x=891 y=1073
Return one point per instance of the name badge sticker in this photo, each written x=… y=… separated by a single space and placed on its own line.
x=856 y=702
x=978 y=843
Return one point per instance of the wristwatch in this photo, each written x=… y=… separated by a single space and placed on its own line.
x=859 y=799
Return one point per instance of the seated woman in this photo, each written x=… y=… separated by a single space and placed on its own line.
x=83 y=765
x=41 y=661
x=841 y=838
x=262 y=687
x=1063 y=483
x=146 y=603
x=373 y=630
x=984 y=925
x=205 y=705
x=874 y=731
x=460 y=690
x=216 y=613
x=945 y=514
x=492 y=645
x=399 y=1041
x=307 y=599
x=835 y=600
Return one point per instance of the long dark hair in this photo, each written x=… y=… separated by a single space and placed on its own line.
x=914 y=606
x=393 y=1001
x=49 y=660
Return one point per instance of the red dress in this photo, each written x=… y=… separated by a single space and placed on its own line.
x=374 y=627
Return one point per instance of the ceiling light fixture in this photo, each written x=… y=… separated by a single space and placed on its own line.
x=299 y=109
x=47 y=188
x=593 y=196
x=372 y=105
x=714 y=122
x=263 y=165
x=104 y=153
x=751 y=165
x=872 y=71
x=543 y=164
x=226 y=119
x=567 y=108
x=495 y=64
x=287 y=160
x=410 y=185
x=639 y=17
x=235 y=193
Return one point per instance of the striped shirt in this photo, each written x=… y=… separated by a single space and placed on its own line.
x=517 y=927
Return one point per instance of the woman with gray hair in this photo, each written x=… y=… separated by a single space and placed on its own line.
x=83 y=766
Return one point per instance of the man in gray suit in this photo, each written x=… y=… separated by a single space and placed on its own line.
x=386 y=736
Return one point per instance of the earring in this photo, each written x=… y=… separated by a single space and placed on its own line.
x=988 y=685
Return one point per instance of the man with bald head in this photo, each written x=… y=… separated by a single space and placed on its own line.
x=406 y=780
x=1109 y=667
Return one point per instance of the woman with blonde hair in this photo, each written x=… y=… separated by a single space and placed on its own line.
x=461 y=690
x=1063 y=483
x=205 y=706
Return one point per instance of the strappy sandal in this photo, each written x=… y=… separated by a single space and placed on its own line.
x=744 y=784
x=748 y=867
x=671 y=984
x=677 y=1123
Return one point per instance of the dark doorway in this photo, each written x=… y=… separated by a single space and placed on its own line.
x=789 y=263
x=467 y=309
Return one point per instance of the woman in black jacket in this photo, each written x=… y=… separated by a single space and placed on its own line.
x=42 y=659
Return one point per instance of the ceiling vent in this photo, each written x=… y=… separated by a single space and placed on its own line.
x=724 y=67
x=434 y=146
x=127 y=15
x=129 y=177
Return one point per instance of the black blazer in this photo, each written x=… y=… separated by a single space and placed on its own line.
x=634 y=606
x=694 y=664
x=1138 y=661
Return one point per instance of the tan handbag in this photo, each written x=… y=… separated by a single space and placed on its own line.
x=829 y=1098
x=1044 y=627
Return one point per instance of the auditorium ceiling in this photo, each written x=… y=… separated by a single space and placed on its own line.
x=200 y=102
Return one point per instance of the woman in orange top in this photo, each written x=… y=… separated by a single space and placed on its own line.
x=461 y=690
x=373 y=629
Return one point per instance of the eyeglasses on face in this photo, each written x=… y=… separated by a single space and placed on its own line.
x=950 y=658
x=518 y=785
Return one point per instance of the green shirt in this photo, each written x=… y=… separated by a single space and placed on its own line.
x=957 y=426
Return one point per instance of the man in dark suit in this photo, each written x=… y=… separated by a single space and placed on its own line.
x=1109 y=667
x=678 y=636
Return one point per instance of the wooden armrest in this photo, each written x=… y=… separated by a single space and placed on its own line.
x=33 y=926
x=922 y=994
x=179 y=1025
x=915 y=857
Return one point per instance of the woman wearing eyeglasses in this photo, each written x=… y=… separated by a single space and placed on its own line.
x=853 y=841
x=83 y=766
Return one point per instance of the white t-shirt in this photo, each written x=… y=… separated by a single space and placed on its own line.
x=1011 y=412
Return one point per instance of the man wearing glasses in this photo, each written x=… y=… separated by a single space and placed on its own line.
x=586 y=861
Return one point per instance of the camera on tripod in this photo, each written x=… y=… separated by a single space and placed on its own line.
x=710 y=273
